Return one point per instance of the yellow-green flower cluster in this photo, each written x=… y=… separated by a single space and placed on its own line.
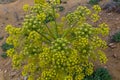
x=71 y=18
x=80 y=77
x=44 y=58
x=78 y=15
x=68 y=78
x=83 y=11
x=31 y=23
x=98 y=43
x=48 y=74
x=39 y=1
x=29 y=68
x=95 y=17
x=102 y=57
x=55 y=2
x=89 y=69
x=12 y=30
x=44 y=53
x=40 y=8
x=84 y=30
x=26 y=7
x=41 y=16
x=60 y=44
x=13 y=39
x=97 y=8
x=34 y=37
x=82 y=42
x=10 y=52
x=16 y=61
x=73 y=59
x=59 y=60
x=104 y=29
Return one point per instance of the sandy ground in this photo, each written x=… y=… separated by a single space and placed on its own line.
x=12 y=13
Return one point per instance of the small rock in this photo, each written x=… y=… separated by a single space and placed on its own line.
x=114 y=55
x=112 y=45
x=5 y=71
x=105 y=67
x=25 y=78
x=109 y=14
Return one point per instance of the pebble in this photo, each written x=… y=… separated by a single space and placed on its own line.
x=105 y=67
x=109 y=14
x=112 y=45
x=5 y=71
x=25 y=78
x=114 y=55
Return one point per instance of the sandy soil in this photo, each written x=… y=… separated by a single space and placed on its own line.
x=12 y=13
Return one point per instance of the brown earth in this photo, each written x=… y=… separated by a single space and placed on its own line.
x=12 y=13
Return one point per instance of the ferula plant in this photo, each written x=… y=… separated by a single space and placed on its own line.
x=50 y=47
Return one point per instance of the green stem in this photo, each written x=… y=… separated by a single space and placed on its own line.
x=51 y=34
x=68 y=30
x=45 y=37
x=55 y=28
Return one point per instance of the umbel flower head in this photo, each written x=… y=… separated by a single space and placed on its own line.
x=49 y=49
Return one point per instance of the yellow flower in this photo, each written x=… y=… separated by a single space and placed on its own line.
x=10 y=52
x=104 y=29
x=95 y=17
x=80 y=77
x=41 y=16
x=68 y=78
x=97 y=8
x=57 y=15
x=26 y=7
x=55 y=1
x=102 y=57
x=39 y=1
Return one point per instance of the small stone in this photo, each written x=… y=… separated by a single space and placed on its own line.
x=105 y=67
x=112 y=45
x=25 y=78
x=5 y=71
x=109 y=14
x=114 y=55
